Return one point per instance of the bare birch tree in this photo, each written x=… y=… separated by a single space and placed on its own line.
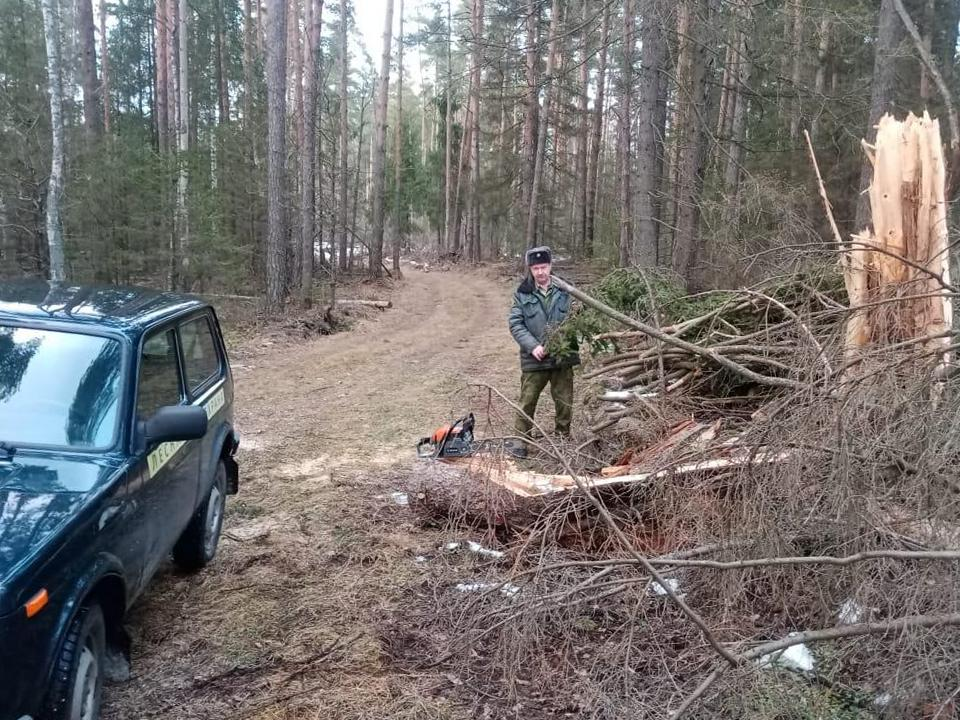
x=51 y=32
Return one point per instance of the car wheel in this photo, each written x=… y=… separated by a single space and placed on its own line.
x=78 y=675
x=197 y=545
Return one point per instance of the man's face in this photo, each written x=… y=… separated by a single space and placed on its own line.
x=541 y=274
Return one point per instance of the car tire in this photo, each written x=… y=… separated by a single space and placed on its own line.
x=197 y=545
x=77 y=683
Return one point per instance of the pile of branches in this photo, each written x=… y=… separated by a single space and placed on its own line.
x=728 y=352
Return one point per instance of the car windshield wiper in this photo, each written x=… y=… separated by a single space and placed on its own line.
x=6 y=451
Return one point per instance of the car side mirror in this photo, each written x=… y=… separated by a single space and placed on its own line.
x=175 y=423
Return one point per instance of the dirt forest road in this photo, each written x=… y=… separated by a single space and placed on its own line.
x=317 y=557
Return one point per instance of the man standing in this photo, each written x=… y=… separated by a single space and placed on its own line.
x=538 y=308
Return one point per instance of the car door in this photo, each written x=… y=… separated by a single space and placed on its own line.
x=169 y=470
x=204 y=371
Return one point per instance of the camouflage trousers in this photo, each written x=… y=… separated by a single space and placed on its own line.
x=532 y=383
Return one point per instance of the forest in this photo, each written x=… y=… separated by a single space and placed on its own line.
x=228 y=145
x=752 y=207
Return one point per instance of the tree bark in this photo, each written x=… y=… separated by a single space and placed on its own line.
x=170 y=23
x=929 y=15
x=593 y=175
x=627 y=253
x=223 y=92
x=105 y=65
x=276 y=69
x=313 y=16
x=51 y=32
x=796 y=74
x=183 y=146
x=478 y=8
x=88 y=68
x=379 y=151
x=162 y=71
x=248 y=45
x=889 y=34
x=398 y=154
x=448 y=149
x=544 y=123
x=653 y=54
x=583 y=134
x=820 y=80
x=344 y=136
x=741 y=102
x=692 y=139
x=531 y=116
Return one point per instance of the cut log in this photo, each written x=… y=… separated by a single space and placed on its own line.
x=381 y=304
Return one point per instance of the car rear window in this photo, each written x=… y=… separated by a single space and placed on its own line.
x=58 y=389
x=201 y=361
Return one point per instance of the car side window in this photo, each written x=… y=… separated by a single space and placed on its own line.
x=201 y=361
x=159 y=374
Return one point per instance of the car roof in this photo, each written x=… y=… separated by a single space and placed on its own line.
x=127 y=309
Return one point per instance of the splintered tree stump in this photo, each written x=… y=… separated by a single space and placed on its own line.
x=898 y=274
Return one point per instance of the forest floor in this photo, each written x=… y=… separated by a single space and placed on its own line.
x=293 y=619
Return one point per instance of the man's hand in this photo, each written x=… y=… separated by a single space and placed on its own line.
x=539 y=352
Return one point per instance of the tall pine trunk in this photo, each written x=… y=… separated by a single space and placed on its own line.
x=184 y=280
x=653 y=54
x=593 y=171
x=532 y=111
x=820 y=79
x=533 y=212
x=583 y=133
x=105 y=65
x=398 y=154
x=88 y=68
x=627 y=254
x=162 y=38
x=313 y=16
x=344 y=137
x=51 y=32
x=692 y=138
x=276 y=69
x=741 y=103
x=448 y=147
x=380 y=149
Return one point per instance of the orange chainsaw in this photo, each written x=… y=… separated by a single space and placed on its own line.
x=454 y=440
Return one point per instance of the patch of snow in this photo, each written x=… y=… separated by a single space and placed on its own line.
x=506 y=589
x=475 y=548
x=795 y=657
x=400 y=498
x=672 y=583
x=851 y=612
x=883 y=700
x=481 y=550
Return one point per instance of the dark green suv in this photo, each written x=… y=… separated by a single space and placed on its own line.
x=116 y=449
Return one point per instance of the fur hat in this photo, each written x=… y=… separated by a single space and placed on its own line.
x=538 y=255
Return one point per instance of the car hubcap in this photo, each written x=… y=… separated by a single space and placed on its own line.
x=84 y=696
x=214 y=517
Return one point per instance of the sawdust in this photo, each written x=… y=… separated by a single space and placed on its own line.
x=288 y=622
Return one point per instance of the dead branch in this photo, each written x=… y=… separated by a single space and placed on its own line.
x=823 y=191
x=667 y=339
x=689 y=612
